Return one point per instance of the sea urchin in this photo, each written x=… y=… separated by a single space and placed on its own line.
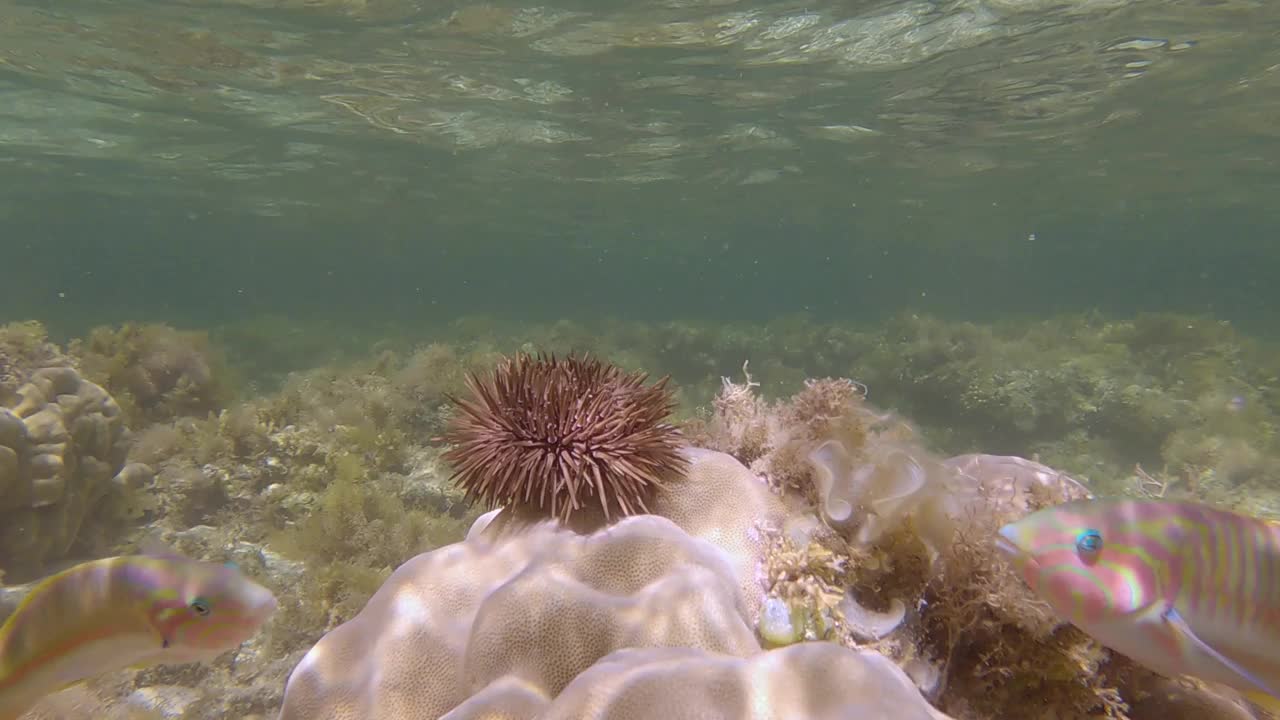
x=548 y=433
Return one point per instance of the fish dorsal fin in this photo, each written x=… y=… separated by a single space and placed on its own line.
x=152 y=546
x=1180 y=626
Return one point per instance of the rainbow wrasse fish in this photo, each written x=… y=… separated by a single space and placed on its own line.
x=1180 y=587
x=121 y=612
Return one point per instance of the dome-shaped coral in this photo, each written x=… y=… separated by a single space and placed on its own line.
x=648 y=619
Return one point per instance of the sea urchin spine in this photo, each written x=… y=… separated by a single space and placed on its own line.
x=548 y=433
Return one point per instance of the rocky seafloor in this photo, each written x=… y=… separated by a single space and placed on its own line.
x=836 y=514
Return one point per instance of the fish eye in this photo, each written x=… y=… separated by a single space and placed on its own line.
x=200 y=606
x=1088 y=545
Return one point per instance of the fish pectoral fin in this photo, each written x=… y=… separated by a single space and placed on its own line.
x=1180 y=626
x=164 y=639
x=1268 y=703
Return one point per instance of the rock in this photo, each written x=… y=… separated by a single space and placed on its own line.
x=167 y=701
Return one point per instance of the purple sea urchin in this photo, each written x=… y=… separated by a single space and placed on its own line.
x=549 y=433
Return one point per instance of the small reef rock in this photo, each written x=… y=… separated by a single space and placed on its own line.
x=63 y=445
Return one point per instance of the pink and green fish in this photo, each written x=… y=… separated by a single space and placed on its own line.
x=122 y=612
x=1180 y=587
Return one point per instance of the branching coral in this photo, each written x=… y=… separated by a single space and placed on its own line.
x=804 y=585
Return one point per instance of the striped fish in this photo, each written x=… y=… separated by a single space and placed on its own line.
x=121 y=612
x=1180 y=587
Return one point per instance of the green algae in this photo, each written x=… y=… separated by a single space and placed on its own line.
x=358 y=531
x=24 y=348
x=155 y=372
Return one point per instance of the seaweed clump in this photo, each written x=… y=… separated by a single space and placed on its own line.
x=999 y=649
x=356 y=533
x=907 y=564
x=335 y=471
x=25 y=348
x=156 y=373
x=1190 y=398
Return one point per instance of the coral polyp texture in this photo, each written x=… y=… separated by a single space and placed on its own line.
x=561 y=435
x=63 y=444
x=642 y=619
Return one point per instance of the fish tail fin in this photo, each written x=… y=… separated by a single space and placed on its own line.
x=14 y=703
x=1269 y=704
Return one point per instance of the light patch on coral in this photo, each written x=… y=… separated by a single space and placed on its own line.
x=815 y=681
x=637 y=620
x=409 y=611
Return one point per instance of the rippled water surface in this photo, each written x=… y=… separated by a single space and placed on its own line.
x=714 y=158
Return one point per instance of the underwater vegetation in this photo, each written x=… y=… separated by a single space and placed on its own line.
x=25 y=348
x=905 y=529
x=1189 y=399
x=155 y=372
x=793 y=515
